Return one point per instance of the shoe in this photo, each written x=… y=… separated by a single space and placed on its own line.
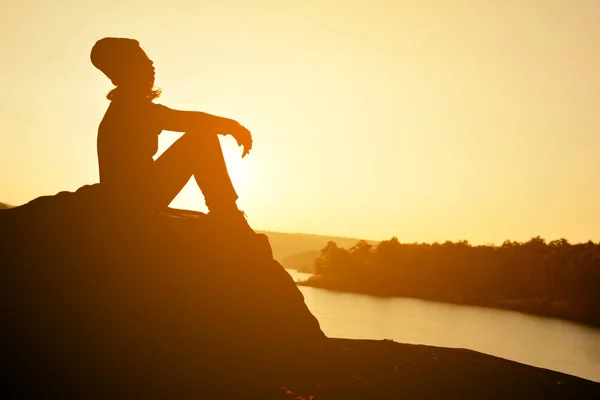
x=235 y=221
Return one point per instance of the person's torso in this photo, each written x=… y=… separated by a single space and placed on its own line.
x=127 y=142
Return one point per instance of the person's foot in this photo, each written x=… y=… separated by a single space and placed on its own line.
x=234 y=220
x=234 y=225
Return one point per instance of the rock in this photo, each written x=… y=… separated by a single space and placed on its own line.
x=100 y=302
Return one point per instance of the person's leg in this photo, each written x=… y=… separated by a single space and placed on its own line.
x=199 y=155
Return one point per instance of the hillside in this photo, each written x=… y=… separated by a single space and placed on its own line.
x=286 y=245
x=112 y=303
x=301 y=262
x=554 y=279
x=98 y=305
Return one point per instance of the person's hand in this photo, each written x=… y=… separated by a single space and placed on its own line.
x=243 y=138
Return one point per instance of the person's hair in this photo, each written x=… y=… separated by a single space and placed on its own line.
x=151 y=95
x=107 y=55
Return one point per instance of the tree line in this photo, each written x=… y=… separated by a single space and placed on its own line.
x=551 y=278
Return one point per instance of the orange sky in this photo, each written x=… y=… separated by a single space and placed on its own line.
x=427 y=120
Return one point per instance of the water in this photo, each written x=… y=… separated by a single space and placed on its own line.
x=542 y=342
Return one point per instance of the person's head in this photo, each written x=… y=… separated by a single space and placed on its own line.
x=124 y=62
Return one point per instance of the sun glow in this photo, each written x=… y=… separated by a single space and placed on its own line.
x=235 y=163
x=191 y=197
x=426 y=120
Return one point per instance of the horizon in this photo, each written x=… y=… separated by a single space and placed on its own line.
x=492 y=244
x=419 y=120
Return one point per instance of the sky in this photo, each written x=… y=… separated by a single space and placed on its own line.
x=425 y=120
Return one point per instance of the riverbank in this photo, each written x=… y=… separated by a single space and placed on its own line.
x=541 y=307
x=382 y=369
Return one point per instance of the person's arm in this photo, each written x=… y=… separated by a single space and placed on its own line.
x=196 y=121
x=187 y=121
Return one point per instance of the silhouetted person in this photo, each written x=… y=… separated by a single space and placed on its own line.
x=128 y=140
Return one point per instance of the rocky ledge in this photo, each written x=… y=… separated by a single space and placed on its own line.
x=98 y=302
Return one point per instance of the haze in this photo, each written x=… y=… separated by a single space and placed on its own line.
x=425 y=120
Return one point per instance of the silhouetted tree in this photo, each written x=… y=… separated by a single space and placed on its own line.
x=534 y=275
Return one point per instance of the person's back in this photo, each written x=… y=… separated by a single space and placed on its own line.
x=127 y=142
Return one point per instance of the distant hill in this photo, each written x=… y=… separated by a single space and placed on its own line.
x=301 y=262
x=4 y=206
x=298 y=250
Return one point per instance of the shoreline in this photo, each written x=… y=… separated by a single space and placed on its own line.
x=526 y=306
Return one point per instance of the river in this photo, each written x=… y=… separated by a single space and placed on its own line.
x=542 y=342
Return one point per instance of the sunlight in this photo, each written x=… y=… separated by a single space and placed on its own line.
x=191 y=197
x=235 y=164
x=432 y=129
